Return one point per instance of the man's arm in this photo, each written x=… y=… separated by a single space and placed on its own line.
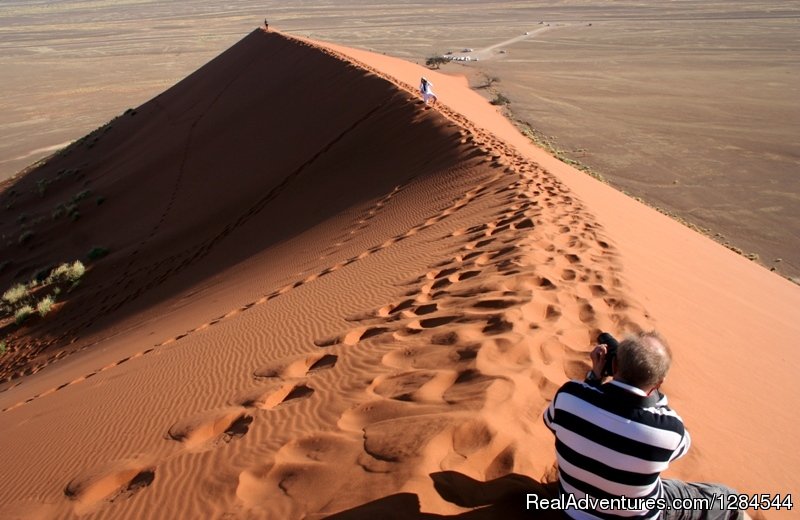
x=549 y=415
x=683 y=447
x=598 y=356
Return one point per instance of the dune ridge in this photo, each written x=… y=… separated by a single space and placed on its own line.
x=334 y=295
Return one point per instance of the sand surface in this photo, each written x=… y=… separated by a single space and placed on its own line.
x=323 y=298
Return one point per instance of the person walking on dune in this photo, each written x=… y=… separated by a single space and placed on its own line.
x=266 y=25
x=426 y=88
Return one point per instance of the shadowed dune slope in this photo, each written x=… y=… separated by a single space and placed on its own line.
x=264 y=142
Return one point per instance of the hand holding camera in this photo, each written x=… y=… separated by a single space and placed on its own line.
x=603 y=355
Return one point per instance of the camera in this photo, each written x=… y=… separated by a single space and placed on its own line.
x=611 y=351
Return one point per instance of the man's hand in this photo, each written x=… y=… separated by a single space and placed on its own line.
x=598 y=356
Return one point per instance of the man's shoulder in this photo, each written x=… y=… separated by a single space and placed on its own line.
x=580 y=389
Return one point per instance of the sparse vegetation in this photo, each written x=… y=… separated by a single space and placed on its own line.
x=41 y=186
x=58 y=212
x=19 y=300
x=434 y=62
x=500 y=99
x=548 y=145
x=81 y=195
x=22 y=314
x=97 y=252
x=67 y=273
x=490 y=80
x=3 y=347
x=15 y=294
x=44 y=305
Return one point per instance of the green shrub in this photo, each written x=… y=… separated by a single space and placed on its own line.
x=15 y=294
x=67 y=272
x=500 y=99
x=41 y=186
x=22 y=314
x=59 y=212
x=81 y=195
x=435 y=62
x=97 y=252
x=3 y=347
x=44 y=306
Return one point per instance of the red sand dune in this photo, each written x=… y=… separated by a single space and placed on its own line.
x=321 y=297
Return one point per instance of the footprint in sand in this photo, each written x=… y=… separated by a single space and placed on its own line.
x=210 y=429
x=296 y=367
x=272 y=396
x=352 y=337
x=117 y=481
x=415 y=386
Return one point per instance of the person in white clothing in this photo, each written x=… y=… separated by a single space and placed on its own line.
x=426 y=88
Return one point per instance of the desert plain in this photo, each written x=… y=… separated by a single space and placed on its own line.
x=317 y=297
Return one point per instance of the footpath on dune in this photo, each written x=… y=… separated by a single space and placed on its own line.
x=321 y=298
x=732 y=323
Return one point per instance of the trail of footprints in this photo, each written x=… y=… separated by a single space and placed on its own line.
x=440 y=352
x=287 y=382
x=280 y=384
x=461 y=202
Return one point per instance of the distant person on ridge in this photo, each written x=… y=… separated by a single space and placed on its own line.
x=426 y=87
x=266 y=25
x=614 y=439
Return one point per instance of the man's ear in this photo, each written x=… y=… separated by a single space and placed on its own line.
x=656 y=387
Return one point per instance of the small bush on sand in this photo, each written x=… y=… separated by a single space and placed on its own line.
x=97 y=252
x=44 y=306
x=3 y=347
x=22 y=314
x=434 y=62
x=67 y=272
x=58 y=212
x=15 y=294
x=500 y=99
x=81 y=195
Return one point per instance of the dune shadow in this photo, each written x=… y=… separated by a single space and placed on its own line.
x=504 y=497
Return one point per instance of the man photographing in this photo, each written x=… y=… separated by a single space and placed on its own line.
x=614 y=439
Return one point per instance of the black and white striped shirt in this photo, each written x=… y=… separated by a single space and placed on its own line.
x=613 y=441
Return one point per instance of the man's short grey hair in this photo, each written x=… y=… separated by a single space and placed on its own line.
x=643 y=359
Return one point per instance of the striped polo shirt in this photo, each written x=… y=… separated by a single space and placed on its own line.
x=613 y=441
